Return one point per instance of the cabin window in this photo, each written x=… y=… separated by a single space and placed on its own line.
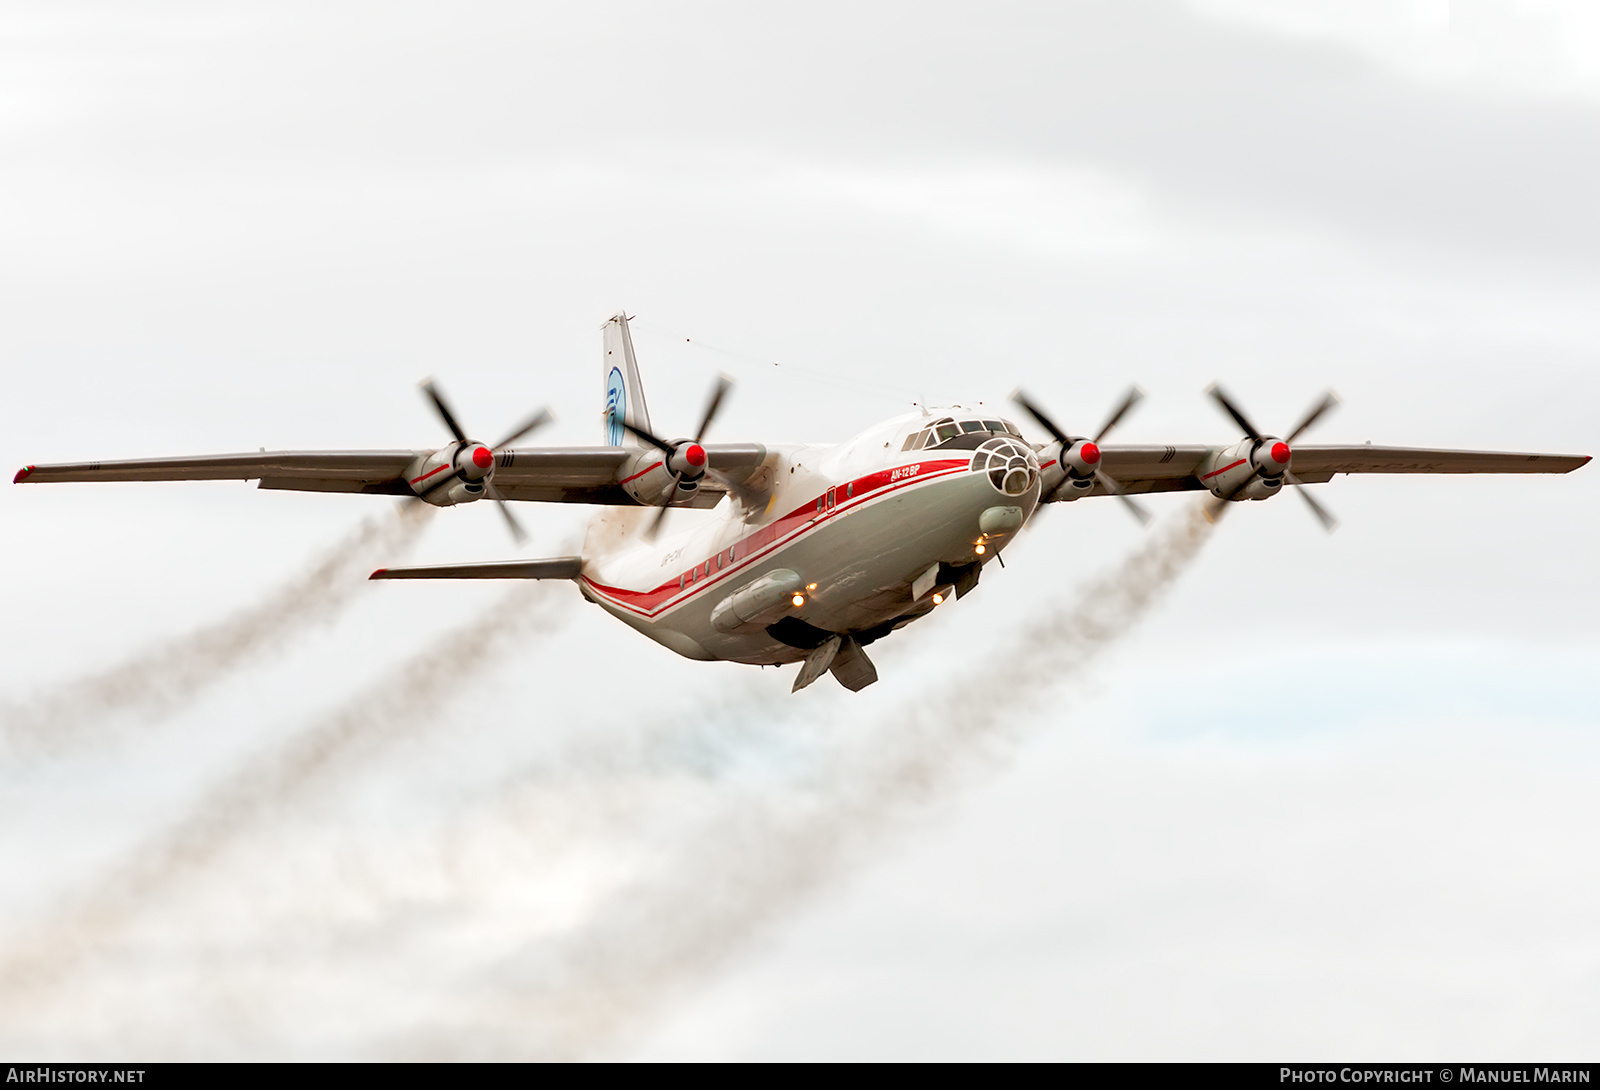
x=911 y=442
x=681 y=581
x=849 y=490
x=994 y=426
x=830 y=497
x=972 y=425
x=719 y=561
x=947 y=431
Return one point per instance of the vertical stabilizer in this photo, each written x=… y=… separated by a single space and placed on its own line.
x=624 y=391
x=616 y=528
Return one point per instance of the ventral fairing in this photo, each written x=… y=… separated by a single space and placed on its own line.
x=809 y=554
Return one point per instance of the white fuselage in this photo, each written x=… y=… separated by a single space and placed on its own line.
x=862 y=537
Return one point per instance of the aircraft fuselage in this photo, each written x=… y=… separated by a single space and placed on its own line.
x=859 y=538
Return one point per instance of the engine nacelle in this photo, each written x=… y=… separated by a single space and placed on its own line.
x=1081 y=459
x=1073 y=488
x=451 y=475
x=648 y=476
x=688 y=459
x=1078 y=464
x=1226 y=470
x=460 y=492
x=1070 y=473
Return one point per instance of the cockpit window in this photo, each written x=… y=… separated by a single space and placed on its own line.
x=965 y=434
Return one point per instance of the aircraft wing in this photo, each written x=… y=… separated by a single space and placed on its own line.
x=547 y=474
x=380 y=471
x=1313 y=465
x=1172 y=468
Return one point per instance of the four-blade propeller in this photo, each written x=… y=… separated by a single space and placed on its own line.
x=474 y=461
x=686 y=459
x=1081 y=457
x=1279 y=456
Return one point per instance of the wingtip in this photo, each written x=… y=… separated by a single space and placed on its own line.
x=22 y=474
x=381 y=573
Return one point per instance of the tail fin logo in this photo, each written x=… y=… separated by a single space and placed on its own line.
x=616 y=407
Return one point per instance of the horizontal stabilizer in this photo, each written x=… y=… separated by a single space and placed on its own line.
x=558 y=567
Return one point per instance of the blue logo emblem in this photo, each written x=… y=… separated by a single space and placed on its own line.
x=616 y=407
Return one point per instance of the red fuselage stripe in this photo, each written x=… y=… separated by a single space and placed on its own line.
x=778 y=533
x=1224 y=469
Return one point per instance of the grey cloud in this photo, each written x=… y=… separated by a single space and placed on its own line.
x=1219 y=119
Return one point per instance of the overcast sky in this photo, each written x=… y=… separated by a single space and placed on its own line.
x=1332 y=797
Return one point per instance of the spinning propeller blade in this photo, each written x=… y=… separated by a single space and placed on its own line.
x=654 y=528
x=639 y=433
x=748 y=497
x=1329 y=523
x=1105 y=480
x=1134 y=396
x=518 y=534
x=532 y=423
x=718 y=392
x=444 y=411
x=1233 y=410
x=1315 y=413
x=1329 y=400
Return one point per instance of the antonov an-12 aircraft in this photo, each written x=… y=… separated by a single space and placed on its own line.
x=810 y=553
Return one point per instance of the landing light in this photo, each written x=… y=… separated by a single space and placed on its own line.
x=811 y=586
x=978 y=548
x=798 y=599
x=938 y=599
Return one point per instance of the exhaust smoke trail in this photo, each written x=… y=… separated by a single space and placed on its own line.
x=158 y=681
x=708 y=858
x=398 y=706
x=762 y=853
